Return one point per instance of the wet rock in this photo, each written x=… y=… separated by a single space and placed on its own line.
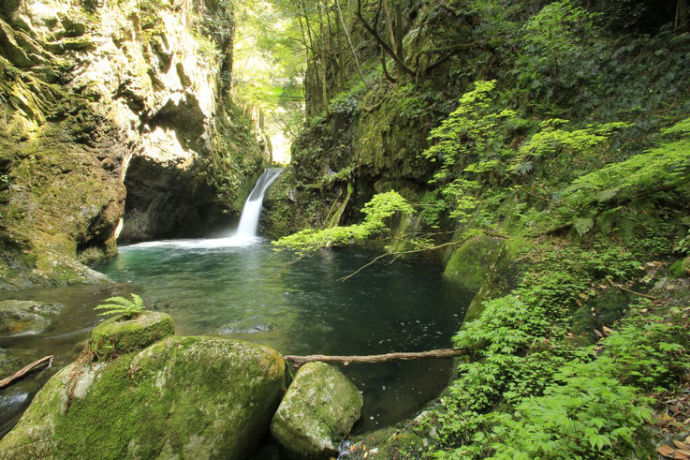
x=117 y=336
x=183 y=397
x=469 y=265
x=26 y=316
x=317 y=412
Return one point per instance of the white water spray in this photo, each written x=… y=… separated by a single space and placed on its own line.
x=249 y=220
x=245 y=235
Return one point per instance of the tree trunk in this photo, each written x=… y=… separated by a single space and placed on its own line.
x=682 y=16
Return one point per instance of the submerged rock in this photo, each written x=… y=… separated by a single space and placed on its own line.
x=117 y=336
x=26 y=316
x=317 y=412
x=201 y=397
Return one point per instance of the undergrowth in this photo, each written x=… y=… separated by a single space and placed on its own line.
x=534 y=388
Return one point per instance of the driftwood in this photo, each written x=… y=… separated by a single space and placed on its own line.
x=368 y=359
x=25 y=370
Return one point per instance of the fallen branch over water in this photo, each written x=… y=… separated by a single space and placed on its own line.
x=443 y=353
x=25 y=370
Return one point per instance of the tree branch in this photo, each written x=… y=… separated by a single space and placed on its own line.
x=397 y=255
x=25 y=370
x=382 y=42
x=370 y=359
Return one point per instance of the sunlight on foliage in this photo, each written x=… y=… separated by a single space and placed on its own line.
x=376 y=211
x=661 y=170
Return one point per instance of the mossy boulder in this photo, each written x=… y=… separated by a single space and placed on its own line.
x=469 y=265
x=120 y=335
x=501 y=276
x=317 y=412
x=183 y=397
x=26 y=316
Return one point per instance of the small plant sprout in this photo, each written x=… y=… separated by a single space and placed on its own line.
x=122 y=306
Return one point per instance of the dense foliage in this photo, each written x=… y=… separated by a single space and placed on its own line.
x=559 y=128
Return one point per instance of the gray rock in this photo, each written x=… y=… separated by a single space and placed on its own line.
x=317 y=412
x=26 y=316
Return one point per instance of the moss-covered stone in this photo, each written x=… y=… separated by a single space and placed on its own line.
x=501 y=276
x=117 y=336
x=78 y=87
x=23 y=316
x=184 y=397
x=469 y=265
x=317 y=412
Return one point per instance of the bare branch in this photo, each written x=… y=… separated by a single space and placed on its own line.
x=370 y=359
x=25 y=370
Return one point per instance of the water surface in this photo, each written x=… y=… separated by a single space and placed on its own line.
x=243 y=289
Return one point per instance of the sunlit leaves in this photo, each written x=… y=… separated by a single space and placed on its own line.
x=376 y=211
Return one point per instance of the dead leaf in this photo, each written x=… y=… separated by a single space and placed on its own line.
x=684 y=451
x=680 y=445
x=607 y=330
x=582 y=295
x=666 y=451
x=598 y=333
x=680 y=456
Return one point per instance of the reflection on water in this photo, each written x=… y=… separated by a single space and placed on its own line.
x=296 y=306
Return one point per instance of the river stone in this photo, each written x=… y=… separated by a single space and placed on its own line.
x=317 y=412
x=183 y=397
x=23 y=316
x=117 y=336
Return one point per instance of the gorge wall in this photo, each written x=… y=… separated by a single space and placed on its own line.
x=112 y=110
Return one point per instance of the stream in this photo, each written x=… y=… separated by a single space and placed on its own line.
x=237 y=286
x=250 y=292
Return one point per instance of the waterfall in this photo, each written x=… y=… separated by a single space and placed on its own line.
x=249 y=220
x=244 y=236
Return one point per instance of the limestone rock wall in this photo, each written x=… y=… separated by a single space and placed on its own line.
x=95 y=92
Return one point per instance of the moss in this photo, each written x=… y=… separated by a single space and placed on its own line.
x=317 y=412
x=280 y=206
x=117 y=336
x=204 y=397
x=501 y=276
x=469 y=265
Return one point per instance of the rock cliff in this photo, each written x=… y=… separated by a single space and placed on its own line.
x=116 y=118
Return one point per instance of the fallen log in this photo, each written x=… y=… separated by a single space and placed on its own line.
x=369 y=359
x=25 y=370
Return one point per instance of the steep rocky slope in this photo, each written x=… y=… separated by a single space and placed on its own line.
x=107 y=103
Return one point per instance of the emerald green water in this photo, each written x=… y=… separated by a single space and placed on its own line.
x=297 y=306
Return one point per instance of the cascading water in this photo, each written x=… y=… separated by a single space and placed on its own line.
x=245 y=235
x=249 y=220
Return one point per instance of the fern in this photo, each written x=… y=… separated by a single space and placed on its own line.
x=122 y=306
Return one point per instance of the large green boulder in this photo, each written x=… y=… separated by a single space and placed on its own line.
x=183 y=397
x=24 y=316
x=121 y=335
x=317 y=412
x=470 y=264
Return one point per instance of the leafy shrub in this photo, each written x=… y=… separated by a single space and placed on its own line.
x=376 y=211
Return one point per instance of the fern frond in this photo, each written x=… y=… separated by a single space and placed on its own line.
x=120 y=300
x=138 y=300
